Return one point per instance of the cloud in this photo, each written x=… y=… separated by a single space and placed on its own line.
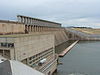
x=67 y=12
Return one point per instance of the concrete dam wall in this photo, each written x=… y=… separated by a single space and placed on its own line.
x=60 y=37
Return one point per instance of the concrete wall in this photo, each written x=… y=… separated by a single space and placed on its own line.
x=5 y=39
x=32 y=45
x=8 y=27
x=60 y=37
x=29 y=45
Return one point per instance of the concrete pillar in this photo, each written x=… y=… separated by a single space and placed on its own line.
x=37 y=29
x=20 y=19
x=41 y=28
x=30 y=21
x=33 y=21
x=34 y=28
x=28 y=28
x=25 y=21
x=31 y=28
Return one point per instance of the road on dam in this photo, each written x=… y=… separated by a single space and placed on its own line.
x=82 y=59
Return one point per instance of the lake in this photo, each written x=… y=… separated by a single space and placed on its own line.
x=82 y=59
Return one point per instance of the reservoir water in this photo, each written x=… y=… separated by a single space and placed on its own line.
x=82 y=59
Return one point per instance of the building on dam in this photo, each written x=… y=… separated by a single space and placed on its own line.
x=34 y=24
x=20 y=41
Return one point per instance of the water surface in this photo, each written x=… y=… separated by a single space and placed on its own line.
x=83 y=59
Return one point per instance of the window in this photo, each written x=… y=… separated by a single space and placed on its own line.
x=30 y=58
x=10 y=45
x=7 y=45
x=3 y=44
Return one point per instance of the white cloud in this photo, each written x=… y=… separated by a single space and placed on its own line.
x=67 y=12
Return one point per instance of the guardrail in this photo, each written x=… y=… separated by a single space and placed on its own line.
x=49 y=64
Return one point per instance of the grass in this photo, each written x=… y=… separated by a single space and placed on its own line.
x=87 y=30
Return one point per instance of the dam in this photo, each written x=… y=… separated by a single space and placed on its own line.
x=36 y=44
x=30 y=41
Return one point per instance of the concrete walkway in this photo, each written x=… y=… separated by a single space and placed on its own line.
x=68 y=49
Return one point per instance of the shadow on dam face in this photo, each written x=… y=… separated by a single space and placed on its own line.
x=63 y=46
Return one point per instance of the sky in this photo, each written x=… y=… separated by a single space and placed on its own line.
x=67 y=12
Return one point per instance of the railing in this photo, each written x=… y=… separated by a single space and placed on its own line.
x=49 y=64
